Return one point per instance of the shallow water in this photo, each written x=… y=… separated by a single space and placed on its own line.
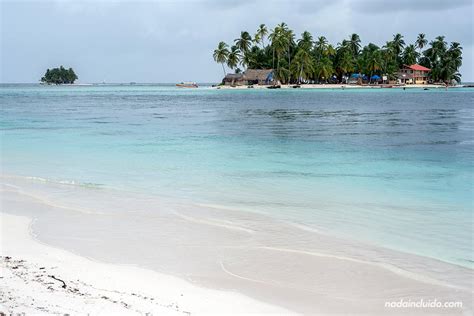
x=388 y=167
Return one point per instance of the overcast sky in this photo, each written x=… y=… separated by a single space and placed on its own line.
x=172 y=41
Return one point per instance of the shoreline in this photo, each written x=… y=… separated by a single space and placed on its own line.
x=41 y=279
x=293 y=269
x=338 y=86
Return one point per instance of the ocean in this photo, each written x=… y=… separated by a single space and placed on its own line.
x=388 y=167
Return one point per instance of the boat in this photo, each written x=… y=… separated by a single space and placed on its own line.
x=274 y=87
x=187 y=85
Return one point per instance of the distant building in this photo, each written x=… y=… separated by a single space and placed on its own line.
x=415 y=74
x=250 y=77
x=259 y=76
x=233 y=80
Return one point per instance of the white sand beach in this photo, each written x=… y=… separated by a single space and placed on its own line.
x=39 y=279
x=336 y=86
x=112 y=253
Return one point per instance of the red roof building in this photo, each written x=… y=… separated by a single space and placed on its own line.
x=414 y=74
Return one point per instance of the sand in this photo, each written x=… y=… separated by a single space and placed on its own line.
x=119 y=253
x=39 y=279
x=335 y=86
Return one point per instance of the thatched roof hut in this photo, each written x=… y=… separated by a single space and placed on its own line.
x=259 y=76
x=233 y=80
x=249 y=77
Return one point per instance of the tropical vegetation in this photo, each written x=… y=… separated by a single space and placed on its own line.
x=314 y=59
x=59 y=75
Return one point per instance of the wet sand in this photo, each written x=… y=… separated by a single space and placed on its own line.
x=215 y=256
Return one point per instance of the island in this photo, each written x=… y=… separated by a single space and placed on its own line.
x=59 y=75
x=275 y=56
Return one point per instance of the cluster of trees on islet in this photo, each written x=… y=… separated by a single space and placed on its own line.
x=315 y=59
x=59 y=75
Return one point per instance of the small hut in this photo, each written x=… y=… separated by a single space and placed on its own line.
x=233 y=80
x=259 y=76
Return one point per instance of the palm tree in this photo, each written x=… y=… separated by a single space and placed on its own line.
x=374 y=62
x=260 y=35
x=455 y=50
x=354 y=43
x=280 y=39
x=247 y=60
x=283 y=26
x=290 y=39
x=421 y=42
x=451 y=61
x=329 y=51
x=370 y=59
x=320 y=44
x=221 y=53
x=344 y=63
x=440 y=46
x=303 y=57
x=410 y=55
x=243 y=42
x=306 y=41
x=304 y=64
x=389 y=60
x=273 y=37
x=233 y=58
x=323 y=68
x=398 y=43
x=320 y=47
x=434 y=57
x=360 y=67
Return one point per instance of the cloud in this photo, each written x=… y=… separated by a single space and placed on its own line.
x=379 y=7
x=167 y=41
x=225 y=5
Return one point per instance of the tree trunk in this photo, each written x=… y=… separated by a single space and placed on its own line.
x=223 y=69
x=289 y=65
x=301 y=74
x=273 y=60
x=278 y=68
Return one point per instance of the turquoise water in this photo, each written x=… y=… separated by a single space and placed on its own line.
x=384 y=166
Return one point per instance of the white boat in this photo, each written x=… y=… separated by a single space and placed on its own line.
x=187 y=85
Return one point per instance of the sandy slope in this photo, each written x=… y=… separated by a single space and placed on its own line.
x=239 y=260
x=38 y=279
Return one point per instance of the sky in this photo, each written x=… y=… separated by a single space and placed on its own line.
x=173 y=41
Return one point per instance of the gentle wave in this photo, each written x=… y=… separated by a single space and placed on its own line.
x=67 y=182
